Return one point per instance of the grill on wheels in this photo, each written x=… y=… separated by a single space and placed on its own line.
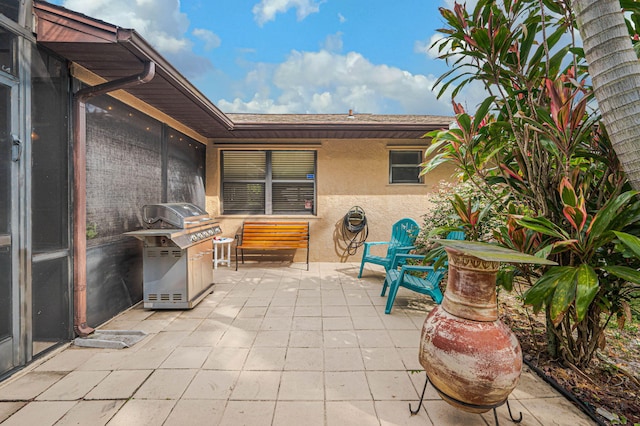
x=177 y=255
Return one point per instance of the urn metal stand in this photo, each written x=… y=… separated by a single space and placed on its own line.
x=471 y=358
x=469 y=407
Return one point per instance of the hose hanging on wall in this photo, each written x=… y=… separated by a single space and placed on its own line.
x=354 y=229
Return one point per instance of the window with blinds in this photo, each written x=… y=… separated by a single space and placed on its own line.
x=268 y=182
x=404 y=166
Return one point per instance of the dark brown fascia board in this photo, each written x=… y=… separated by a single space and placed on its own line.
x=138 y=46
x=339 y=126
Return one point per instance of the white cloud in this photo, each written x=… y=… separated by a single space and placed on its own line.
x=211 y=40
x=160 y=22
x=341 y=18
x=267 y=10
x=328 y=82
x=333 y=42
x=430 y=47
x=257 y=105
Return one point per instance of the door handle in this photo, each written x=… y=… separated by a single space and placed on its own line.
x=16 y=148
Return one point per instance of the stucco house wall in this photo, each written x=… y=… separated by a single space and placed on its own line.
x=352 y=172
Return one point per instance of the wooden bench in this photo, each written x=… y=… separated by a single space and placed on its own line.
x=267 y=236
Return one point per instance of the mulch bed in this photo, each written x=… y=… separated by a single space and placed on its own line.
x=608 y=390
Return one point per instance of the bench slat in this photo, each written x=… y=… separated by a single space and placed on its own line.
x=273 y=236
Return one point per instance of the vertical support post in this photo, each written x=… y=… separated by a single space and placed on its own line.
x=80 y=219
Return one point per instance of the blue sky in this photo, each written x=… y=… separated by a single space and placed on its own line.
x=296 y=56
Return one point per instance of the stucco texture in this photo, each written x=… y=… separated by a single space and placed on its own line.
x=349 y=173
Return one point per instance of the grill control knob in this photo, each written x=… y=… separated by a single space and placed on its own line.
x=194 y=238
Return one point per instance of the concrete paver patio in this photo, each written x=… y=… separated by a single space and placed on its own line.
x=272 y=345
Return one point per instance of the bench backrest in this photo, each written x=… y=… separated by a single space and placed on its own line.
x=275 y=234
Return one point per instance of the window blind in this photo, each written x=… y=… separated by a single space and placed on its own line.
x=268 y=182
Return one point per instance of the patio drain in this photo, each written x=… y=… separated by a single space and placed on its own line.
x=110 y=339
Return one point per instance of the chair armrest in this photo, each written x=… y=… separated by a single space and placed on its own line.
x=407 y=268
x=419 y=268
x=402 y=258
x=375 y=243
x=365 y=253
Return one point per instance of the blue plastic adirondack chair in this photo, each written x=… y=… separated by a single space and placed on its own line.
x=429 y=284
x=403 y=236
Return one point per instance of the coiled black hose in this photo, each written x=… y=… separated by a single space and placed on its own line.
x=354 y=229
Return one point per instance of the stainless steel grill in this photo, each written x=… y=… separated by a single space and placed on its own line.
x=177 y=255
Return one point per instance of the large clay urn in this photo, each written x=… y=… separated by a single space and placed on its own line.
x=472 y=359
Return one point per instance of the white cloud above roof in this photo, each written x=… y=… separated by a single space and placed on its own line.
x=267 y=10
x=327 y=82
x=211 y=40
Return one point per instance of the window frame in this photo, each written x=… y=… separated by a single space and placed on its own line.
x=269 y=182
x=419 y=156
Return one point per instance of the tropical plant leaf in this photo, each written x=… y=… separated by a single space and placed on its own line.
x=631 y=241
x=544 y=252
x=464 y=121
x=433 y=163
x=602 y=220
x=482 y=111
x=540 y=292
x=568 y=193
x=564 y=294
x=626 y=273
x=587 y=287
x=542 y=225
x=505 y=278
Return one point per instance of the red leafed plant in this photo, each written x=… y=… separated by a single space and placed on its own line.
x=537 y=149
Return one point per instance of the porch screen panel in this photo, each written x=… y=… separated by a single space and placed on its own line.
x=51 y=300
x=293 y=181
x=50 y=153
x=185 y=169
x=123 y=168
x=244 y=176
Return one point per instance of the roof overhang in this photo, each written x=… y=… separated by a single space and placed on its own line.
x=110 y=53
x=335 y=126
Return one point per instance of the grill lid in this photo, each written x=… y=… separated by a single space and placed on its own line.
x=173 y=215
